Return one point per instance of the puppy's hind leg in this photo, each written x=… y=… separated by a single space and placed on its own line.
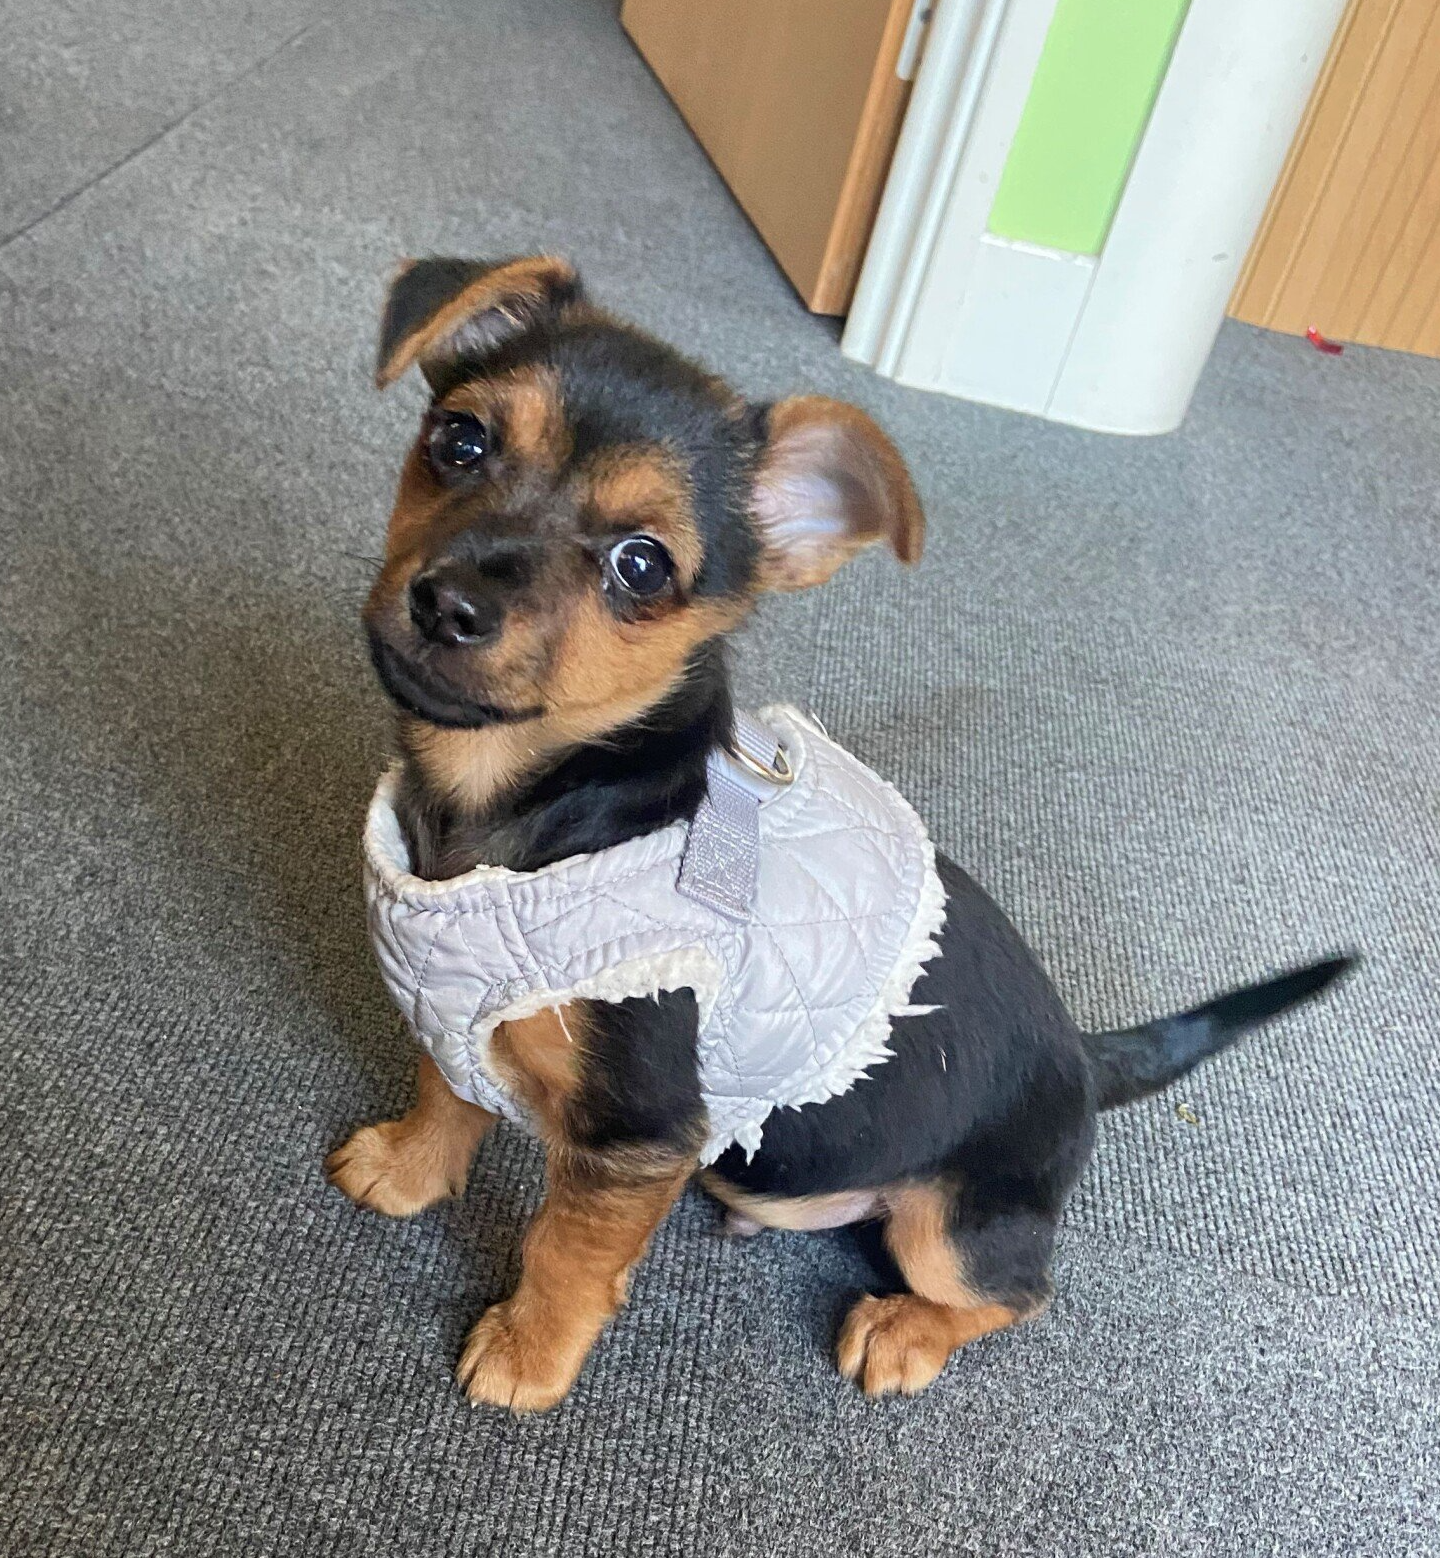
x=969 y=1273
x=400 y=1167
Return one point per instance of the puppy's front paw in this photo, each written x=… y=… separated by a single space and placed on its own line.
x=506 y=1365
x=895 y=1344
x=391 y=1169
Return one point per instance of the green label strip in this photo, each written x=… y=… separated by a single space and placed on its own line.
x=1099 y=71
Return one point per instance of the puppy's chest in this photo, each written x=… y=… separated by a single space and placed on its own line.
x=794 y=992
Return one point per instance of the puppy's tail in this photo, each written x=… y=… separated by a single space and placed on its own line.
x=1139 y=1061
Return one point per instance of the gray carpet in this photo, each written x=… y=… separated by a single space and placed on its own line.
x=1173 y=701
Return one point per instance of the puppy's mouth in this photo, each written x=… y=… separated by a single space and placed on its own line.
x=419 y=691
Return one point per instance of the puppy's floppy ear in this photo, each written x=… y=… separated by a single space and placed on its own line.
x=829 y=484
x=440 y=309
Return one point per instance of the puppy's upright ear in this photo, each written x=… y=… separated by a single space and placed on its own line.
x=441 y=309
x=829 y=484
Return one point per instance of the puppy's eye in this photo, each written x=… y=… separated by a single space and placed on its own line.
x=457 y=441
x=640 y=566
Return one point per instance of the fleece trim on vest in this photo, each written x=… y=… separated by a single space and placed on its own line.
x=796 y=1001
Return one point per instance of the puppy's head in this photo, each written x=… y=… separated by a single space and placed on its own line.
x=584 y=507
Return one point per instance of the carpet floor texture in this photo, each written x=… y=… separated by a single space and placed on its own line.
x=1173 y=701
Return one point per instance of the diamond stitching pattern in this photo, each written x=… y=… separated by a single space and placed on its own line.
x=843 y=851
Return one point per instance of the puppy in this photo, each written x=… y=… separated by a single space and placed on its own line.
x=663 y=935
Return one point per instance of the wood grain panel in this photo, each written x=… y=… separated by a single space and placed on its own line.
x=1351 y=240
x=798 y=106
x=881 y=116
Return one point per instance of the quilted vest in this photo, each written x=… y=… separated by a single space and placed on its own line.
x=796 y=987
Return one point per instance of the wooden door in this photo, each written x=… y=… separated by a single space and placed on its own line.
x=1351 y=240
x=799 y=105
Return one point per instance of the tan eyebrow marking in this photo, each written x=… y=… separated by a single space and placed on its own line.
x=528 y=409
x=644 y=488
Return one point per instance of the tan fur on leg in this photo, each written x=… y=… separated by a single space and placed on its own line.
x=594 y=1225
x=900 y=1343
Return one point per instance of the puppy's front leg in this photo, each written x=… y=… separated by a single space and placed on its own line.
x=400 y=1167
x=599 y=1212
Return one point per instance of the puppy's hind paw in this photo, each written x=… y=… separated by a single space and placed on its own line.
x=894 y=1345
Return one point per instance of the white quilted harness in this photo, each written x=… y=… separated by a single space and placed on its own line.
x=799 y=906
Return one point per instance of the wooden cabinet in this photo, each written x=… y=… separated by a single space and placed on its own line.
x=1351 y=240
x=798 y=104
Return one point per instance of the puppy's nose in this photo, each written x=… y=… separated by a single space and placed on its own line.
x=454 y=604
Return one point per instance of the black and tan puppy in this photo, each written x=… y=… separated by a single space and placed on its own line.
x=583 y=518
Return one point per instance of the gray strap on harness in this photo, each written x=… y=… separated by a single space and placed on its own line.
x=721 y=864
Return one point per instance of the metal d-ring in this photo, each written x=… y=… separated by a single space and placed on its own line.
x=779 y=773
